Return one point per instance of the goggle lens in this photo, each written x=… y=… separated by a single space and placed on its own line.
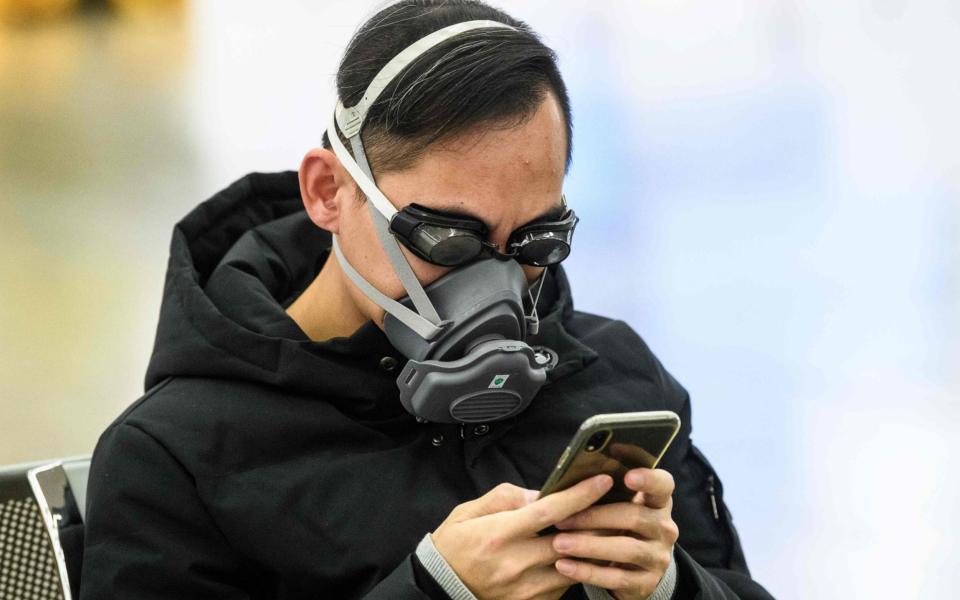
x=446 y=246
x=543 y=252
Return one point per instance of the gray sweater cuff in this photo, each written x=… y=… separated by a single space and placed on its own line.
x=441 y=571
x=664 y=591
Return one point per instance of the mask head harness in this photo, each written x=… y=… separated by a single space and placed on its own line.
x=464 y=334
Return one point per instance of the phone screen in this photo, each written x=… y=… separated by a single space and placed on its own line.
x=614 y=449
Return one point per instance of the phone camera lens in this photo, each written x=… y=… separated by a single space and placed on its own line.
x=597 y=441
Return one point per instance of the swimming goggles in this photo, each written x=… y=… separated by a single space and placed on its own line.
x=450 y=240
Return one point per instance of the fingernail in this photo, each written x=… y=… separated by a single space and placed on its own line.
x=634 y=480
x=603 y=483
x=531 y=495
x=562 y=543
x=566 y=567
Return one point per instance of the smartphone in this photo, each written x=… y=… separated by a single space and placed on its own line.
x=614 y=444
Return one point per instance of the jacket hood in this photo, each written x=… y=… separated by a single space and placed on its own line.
x=236 y=261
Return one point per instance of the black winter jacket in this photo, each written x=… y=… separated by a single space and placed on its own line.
x=260 y=464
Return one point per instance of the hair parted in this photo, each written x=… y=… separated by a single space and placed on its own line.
x=489 y=77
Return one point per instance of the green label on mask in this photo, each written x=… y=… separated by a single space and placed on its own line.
x=498 y=382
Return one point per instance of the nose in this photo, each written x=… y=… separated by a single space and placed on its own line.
x=499 y=238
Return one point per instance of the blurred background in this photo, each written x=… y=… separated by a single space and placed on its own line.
x=769 y=193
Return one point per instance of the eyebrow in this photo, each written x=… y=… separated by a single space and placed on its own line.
x=552 y=214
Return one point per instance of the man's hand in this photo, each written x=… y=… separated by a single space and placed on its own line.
x=632 y=542
x=492 y=544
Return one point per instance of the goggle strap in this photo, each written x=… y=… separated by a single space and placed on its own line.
x=351 y=119
x=415 y=322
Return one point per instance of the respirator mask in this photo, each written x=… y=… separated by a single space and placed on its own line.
x=464 y=335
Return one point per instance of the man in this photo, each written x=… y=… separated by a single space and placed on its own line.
x=273 y=456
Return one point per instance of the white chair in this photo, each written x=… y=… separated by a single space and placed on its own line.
x=41 y=528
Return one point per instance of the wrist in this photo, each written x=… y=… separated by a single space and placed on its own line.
x=441 y=571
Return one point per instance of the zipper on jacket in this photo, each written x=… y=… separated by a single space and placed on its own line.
x=712 y=490
x=713 y=486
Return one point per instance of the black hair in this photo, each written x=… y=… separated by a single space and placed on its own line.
x=490 y=77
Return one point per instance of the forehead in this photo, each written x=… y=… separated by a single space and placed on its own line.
x=498 y=173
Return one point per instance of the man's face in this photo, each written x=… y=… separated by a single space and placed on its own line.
x=503 y=177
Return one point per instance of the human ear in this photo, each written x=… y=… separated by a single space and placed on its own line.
x=323 y=182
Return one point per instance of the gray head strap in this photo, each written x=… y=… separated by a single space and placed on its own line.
x=381 y=211
x=351 y=119
x=427 y=319
x=421 y=326
x=533 y=320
